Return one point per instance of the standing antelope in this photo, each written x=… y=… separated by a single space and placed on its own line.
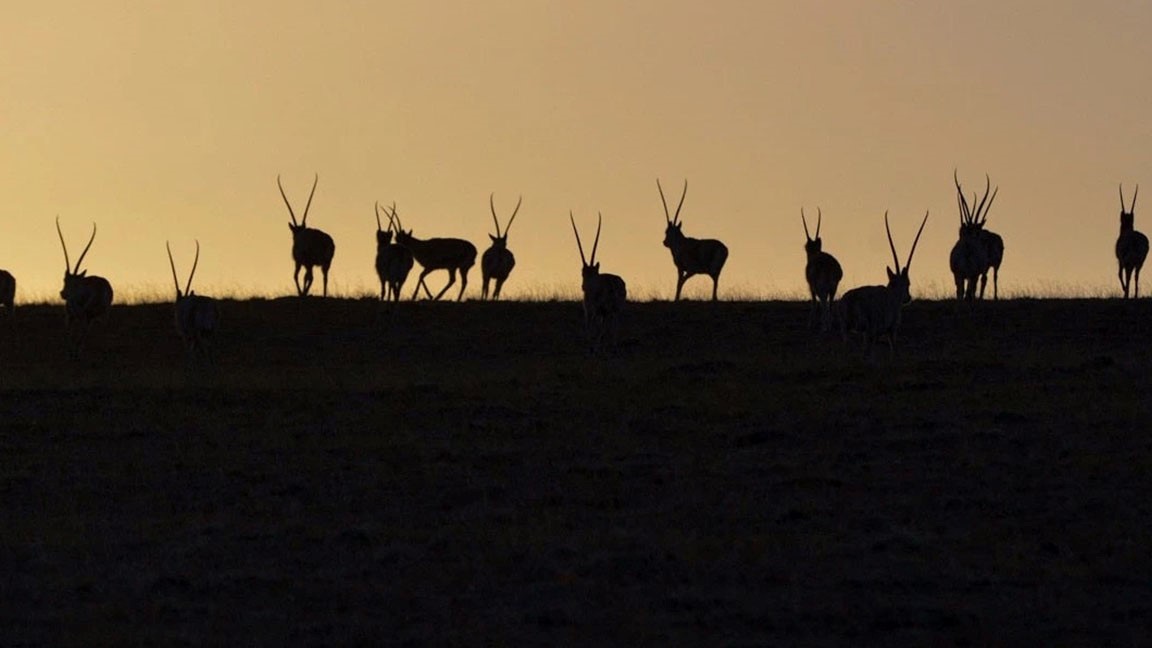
x=691 y=256
x=497 y=262
x=310 y=247
x=874 y=311
x=604 y=294
x=393 y=261
x=85 y=298
x=823 y=273
x=196 y=315
x=976 y=250
x=7 y=291
x=1131 y=246
x=449 y=254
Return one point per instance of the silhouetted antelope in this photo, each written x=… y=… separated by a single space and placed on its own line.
x=976 y=250
x=604 y=294
x=393 y=261
x=691 y=256
x=449 y=254
x=823 y=273
x=1131 y=246
x=85 y=298
x=310 y=246
x=497 y=262
x=7 y=291
x=874 y=311
x=196 y=315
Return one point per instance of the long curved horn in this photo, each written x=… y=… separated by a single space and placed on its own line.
x=1134 y=194
x=676 y=218
x=290 y=212
x=514 y=212
x=895 y=259
x=492 y=206
x=984 y=218
x=819 y=217
x=983 y=201
x=86 y=247
x=195 y=262
x=1123 y=207
x=304 y=219
x=805 y=221
x=67 y=263
x=378 y=227
x=393 y=219
x=172 y=263
x=667 y=216
x=577 y=233
x=908 y=263
x=965 y=210
x=595 y=243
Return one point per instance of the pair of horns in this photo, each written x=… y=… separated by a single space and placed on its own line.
x=303 y=221
x=188 y=286
x=492 y=205
x=819 y=217
x=980 y=216
x=1134 y=194
x=672 y=220
x=393 y=217
x=892 y=245
x=67 y=264
x=599 y=221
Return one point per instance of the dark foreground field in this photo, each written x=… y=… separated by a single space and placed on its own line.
x=467 y=474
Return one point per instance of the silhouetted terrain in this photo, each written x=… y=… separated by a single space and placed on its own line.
x=458 y=473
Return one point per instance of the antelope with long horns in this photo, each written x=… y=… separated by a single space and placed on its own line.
x=310 y=246
x=86 y=298
x=977 y=250
x=497 y=262
x=196 y=315
x=822 y=272
x=604 y=294
x=1131 y=246
x=7 y=291
x=690 y=255
x=451 y=254
x=874 y=311
x=393 y=261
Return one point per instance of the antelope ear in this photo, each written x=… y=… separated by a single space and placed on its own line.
x=596 y=266
x=83 y=273
x=494 y=238
x=891 y=275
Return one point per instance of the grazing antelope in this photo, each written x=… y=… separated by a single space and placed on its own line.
x=823 y=273
x=393 y=261
x=7 y=291
x=874 y=311
x=1131 y=246
x=449 y=254
x=85 y=297
x=604 y=294
x=692 y=256
x=976 y=250
x=310 y=246
x=196 y=315
x=497 y=262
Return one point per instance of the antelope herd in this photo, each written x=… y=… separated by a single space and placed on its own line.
x=871 y=311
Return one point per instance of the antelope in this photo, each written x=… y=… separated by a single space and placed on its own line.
x=393 y=261
x=196 y=315
x=1131 y=246
x=497 y=262
x=976 y=250
x=823 y=273
x=874 y=311
x=692 y=256
x=7 y=291
x=85 y=297
x=449 y=254
x=310 y=246
x=604 y=294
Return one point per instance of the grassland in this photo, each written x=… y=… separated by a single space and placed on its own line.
x=466 y=474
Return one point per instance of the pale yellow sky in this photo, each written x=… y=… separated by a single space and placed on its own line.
x=171 y=121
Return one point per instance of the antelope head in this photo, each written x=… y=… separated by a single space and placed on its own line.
x=972 y=222
x=500 y=241
x=1128 y=215
x=591 y=270
x=188 y=286
x=303 y=224
x=814 y=245
x=898 y=280
x=73 y=277
x=672 y=232
x=384 y=236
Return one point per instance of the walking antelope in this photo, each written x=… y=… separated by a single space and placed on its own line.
x=874 y=311
x=449 y=254
x=976 y=250
x=604 y=294
x=85 y=298
x=1131 y=246
x=310 y=246
x=692 y=256
x=393 y=261
x=823 y=273
x=7 y=291
x=196 y=315
x=497 y=262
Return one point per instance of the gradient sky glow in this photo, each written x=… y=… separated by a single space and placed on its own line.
x=171 y=121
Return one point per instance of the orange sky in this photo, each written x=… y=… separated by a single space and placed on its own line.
x=171 y=120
